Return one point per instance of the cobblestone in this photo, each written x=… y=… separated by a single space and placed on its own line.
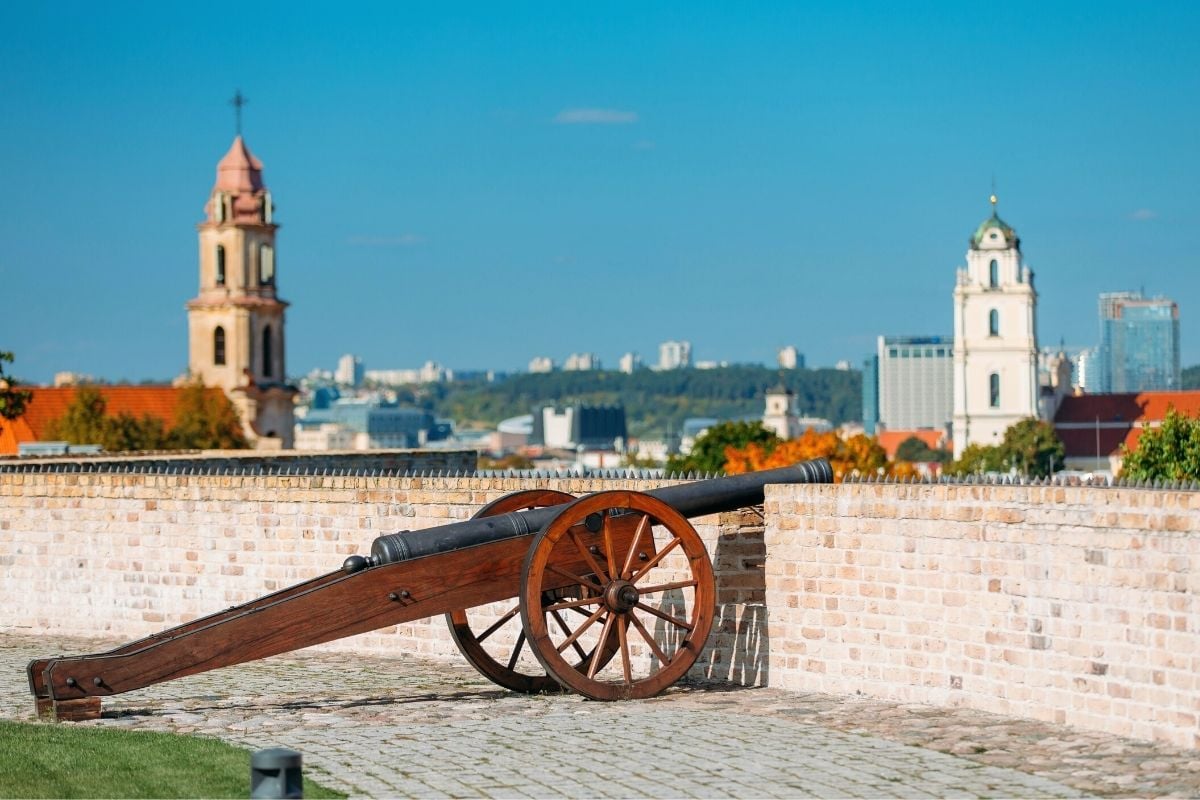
x=411 y=727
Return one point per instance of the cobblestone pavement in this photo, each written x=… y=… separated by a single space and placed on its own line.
x=416 y=728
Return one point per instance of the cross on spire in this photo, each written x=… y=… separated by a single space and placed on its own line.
x=237 y=102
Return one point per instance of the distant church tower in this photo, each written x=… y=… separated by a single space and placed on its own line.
x=780 y=415
x=995 y=338
x=236 y=322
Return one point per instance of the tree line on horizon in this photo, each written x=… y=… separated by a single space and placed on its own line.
x=656 y=402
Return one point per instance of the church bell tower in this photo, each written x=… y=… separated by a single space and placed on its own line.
x=995 y=337
x=236 y=321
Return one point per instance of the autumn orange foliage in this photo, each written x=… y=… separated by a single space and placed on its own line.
x=857 y=455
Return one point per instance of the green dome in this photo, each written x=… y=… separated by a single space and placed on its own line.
x=993 y=221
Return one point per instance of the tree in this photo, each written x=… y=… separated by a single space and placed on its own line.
x=12 y=399
x=977 y=459
x=1032 y=448
x=86 y=421
x=858 y=455
x=1169 y=452
x=206 y=420
x=915 y=450
x=709 y=452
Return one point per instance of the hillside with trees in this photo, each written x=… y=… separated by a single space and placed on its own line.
x=655 y=402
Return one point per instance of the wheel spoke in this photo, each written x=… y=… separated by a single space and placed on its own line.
x=654 y=648
x=607 y=534
x=516 y=653
x=562 y=573
x=567 y=630
x=579 y=631
x=633 y=546
x=587 y=555
x=623 y=639
x=496 y=625
x=583 y=601
x=665 y=616
x=649 y=565
x=663 y=587
x=598 y=654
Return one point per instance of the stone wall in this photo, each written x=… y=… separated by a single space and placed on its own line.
x=1070 y=604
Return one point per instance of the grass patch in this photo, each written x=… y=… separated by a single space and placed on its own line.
x=46 y=760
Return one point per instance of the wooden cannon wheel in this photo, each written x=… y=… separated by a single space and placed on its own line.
x=654 y=598
x=501 y=664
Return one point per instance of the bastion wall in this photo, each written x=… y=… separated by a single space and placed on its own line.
x=1071 y=604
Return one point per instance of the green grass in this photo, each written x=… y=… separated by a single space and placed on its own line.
x=47 y=760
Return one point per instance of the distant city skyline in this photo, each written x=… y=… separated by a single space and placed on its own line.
x=478 y=186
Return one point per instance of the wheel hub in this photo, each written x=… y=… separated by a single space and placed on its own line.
x=621 y=596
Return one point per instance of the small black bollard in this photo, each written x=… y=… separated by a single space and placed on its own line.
x=276 y=773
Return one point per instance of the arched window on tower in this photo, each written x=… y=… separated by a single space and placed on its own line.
x=219 y=346
x=266 y=264
x=994 y=390
x=993 y=323
x=220 y=265
x=994 y=274
x=266 y=351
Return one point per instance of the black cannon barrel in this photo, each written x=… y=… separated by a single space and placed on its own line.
x=690 y=499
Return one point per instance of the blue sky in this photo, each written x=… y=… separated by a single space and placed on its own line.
x=481 y=183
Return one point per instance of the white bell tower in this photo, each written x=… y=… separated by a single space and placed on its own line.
x=995 y=337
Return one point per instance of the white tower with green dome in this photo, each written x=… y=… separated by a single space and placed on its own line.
x=995 y=337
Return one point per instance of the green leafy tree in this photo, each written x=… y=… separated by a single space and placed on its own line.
x=708 y=453
x=977 y=459
x=84 y=422
x=1168 y=452
x=12 y=399
x=87 y=421
x=1032 y=447
x=206 y=420
x=914 y=450
x=127 y=432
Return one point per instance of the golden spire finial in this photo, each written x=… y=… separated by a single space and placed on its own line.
x=993 y=201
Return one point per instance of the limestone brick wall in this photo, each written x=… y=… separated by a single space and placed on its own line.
x=1071 y=604
x=125 y=555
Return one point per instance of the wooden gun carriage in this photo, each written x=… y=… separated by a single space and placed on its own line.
x=614 y=591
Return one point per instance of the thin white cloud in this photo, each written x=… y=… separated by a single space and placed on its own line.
x=1144 y=214
x=595 y=116
x=403 y=240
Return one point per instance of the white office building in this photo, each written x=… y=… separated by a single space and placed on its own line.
x=674 y=355
x=915 y=382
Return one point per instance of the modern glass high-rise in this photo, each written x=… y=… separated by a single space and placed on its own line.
x=1139 y=343
x=870 y=395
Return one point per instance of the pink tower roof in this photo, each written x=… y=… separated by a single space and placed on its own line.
x=239 y=170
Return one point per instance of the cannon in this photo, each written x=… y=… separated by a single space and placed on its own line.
x=614 y=598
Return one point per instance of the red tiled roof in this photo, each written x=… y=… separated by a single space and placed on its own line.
x=48 y=404
x=1100 y=423
x=890 y=440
